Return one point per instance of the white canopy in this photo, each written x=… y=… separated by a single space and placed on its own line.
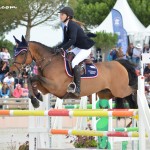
x=130 y=21
x=147 y=31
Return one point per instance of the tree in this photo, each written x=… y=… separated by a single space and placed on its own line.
x=38 y=12
x=141 y=8
x=93 y=12
x=31 y=13
x=9 y=45
x=105 y=41
x=8 y=13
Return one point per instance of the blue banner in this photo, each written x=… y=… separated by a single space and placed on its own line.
x=119 y=30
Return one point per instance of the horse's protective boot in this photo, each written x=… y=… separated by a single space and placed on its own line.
x=77 y=79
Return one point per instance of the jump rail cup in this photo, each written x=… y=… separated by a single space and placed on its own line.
x=71 y=113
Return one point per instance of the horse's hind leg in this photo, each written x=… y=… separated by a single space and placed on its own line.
x=119 y=103
x=131 y=99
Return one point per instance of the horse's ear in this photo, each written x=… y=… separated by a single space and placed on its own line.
x=16 y=40
x=23 y=39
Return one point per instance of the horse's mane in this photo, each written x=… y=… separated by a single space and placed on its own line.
x=44 y=46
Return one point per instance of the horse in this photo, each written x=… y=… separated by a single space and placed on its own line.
x=115 y=79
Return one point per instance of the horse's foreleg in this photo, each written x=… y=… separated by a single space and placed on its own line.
x=34 y=100
x=34 y=83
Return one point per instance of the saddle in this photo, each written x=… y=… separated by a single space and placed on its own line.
x=70 y=56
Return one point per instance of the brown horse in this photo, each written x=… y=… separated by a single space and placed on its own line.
x=115 y=79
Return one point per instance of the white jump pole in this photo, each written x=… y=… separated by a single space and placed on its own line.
x=39 y=127
x=94 y=107
x=144 y=114
x=81 y=122
x=56 y=140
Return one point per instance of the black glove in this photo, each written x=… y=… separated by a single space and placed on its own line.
x=58 y=50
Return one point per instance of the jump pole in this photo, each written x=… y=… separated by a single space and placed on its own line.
x=71 y=113
x=95 y=133
x=126 y=129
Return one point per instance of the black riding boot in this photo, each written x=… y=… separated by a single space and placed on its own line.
x=77 y=79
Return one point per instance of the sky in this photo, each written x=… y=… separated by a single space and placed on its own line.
x=43 y=33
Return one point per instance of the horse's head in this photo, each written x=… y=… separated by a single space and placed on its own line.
x=22 y=56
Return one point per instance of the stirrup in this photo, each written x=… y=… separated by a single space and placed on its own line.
x=71 y=88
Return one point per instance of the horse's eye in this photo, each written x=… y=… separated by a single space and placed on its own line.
x=22 y=53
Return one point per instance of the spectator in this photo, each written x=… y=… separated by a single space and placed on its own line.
x=137 y=51
x=10 y=81
x=1 y=85
x=120 y=54
x=146 y=49
x=17 y=93
x=25 y=76
x=99 y=56
x=5 y=91
x=5 y=58
x=25 y=91
x=18 y=80
x=147 y=73
x=29 y=70
x=113 y=53
x=130 y=52
x=1 y=53
x=35 y=70
x=4 y=72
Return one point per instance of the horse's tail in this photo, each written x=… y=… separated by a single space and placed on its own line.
x=133 y=80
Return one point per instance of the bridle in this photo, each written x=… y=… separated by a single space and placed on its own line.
x=22 y=64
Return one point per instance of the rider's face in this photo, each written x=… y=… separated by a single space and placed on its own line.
x=63 y=16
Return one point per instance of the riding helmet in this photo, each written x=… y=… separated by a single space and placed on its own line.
x=68 y=11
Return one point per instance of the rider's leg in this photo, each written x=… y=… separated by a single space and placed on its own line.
x=80 y=56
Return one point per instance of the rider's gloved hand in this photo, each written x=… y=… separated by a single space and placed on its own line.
x=58 y=50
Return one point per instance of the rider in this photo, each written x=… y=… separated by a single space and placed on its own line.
x=75 y=37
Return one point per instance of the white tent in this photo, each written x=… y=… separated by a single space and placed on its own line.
x=130 y=22
x=147 y=35
x=147 y=31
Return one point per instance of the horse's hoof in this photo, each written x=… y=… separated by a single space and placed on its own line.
x=39 y=97
x=35 y=102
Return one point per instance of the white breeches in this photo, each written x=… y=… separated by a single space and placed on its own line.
x=81 y=54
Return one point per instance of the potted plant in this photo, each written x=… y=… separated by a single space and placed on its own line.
x=84 y=141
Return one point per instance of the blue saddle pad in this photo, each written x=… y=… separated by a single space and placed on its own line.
x=91 y=70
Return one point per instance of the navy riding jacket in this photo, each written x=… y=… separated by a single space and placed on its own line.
x=75 y=36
